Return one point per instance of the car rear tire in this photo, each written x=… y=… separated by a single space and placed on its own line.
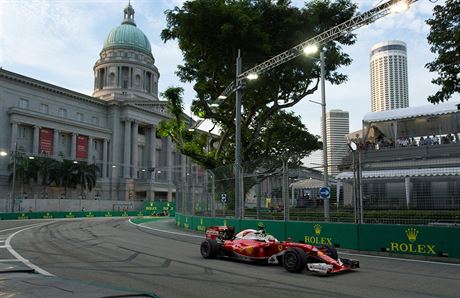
x=294 y=260
x=209 y=249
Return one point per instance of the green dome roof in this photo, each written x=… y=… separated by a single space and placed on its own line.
x=128 y=36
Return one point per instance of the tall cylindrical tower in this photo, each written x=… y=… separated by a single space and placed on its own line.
x=389 y=87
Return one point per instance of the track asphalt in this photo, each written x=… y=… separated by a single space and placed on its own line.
x=103 y=257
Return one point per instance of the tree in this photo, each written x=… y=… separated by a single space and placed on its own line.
x=47 y=170
x=444 y=39
x=68 y=171
x=26 y=169
x=85 y=176
x=209 y=33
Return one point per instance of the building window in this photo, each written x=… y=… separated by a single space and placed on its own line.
x=44 y=108
x=79 y=116
x=62 y=112
x=95 y=120
x=24 y=103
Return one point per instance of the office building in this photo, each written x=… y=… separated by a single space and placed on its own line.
x=337 y=127
x=388 y=65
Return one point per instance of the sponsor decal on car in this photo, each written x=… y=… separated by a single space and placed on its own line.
x=411 y=246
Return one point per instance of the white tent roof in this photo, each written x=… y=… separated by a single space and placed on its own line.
x=308 y=183
x=454 y=171
x=412 y=112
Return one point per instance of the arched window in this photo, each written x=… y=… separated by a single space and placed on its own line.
x=148 y=82
x=101 y=76
x=137 y=81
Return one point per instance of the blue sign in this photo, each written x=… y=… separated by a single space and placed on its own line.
x=223 y=198
x=325 y=193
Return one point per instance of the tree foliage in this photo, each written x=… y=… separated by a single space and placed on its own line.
x=209 y=34
x=51 y=172
x=444 y=39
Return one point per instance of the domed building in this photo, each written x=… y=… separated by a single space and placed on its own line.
x=126 y=65
x=114 y=129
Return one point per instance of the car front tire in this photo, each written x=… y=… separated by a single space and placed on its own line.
x=294 y=260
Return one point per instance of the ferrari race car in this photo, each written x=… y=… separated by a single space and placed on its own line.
x=255 y=246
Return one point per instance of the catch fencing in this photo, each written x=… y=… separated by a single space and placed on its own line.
x=365 y=187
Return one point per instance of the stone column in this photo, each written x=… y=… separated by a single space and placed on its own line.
x=152 y=148
x=90 y=149
x=14 y=135
x=104 y=158
x=55 y=143
x=73 y=146
x=135 y=149
x=169 y=163
x=127 y=150
x=36 y=140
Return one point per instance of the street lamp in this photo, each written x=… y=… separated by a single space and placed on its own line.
x=324 y=130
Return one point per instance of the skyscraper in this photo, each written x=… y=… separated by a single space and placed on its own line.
x=389 y=88
x=337 y=126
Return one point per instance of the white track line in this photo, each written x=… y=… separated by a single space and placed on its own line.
x=19 y=257
x=165 y=231
x=400 y=259
x=9 y=260
x=15 y=228
x=344 y=253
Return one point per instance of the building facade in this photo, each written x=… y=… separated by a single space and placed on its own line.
x=389 y=82
x=337 y=127
x=114 y=129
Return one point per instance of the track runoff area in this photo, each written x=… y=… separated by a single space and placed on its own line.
x=106 y=257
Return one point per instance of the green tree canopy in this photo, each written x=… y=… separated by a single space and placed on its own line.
x=444 y=39
x=210 y=32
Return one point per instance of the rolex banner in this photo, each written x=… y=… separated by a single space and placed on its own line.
x=46 y=141
x=82 y=147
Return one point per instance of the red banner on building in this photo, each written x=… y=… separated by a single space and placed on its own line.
x=82 y=147
x=46 y=141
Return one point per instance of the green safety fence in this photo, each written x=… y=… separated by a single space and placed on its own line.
x=402 y=239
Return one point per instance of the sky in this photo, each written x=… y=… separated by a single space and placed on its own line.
x=59 y=41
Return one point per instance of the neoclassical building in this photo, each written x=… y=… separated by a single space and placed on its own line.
x=115 y=128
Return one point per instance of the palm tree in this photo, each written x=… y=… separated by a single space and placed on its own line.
x=47 y=171
x=86 y=176
x=25 y=169
x=67 y=175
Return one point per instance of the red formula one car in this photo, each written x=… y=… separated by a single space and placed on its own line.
x=255 y=246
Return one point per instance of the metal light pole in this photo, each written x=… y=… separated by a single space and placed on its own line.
x=325 y=163
x=238 y=199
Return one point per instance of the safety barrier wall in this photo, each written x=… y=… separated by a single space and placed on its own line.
x=403 y=239
x=70 y=214
x=149 y=209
